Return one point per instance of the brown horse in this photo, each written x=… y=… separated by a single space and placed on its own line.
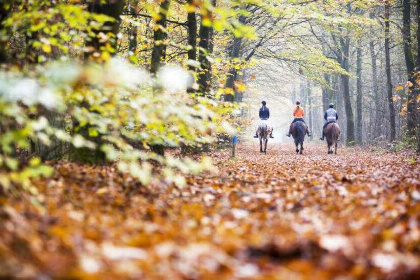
x=332 y=132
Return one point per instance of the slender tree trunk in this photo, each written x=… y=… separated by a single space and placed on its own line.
x=302 y=93
x=192 y=36
x=418 y=69
x=359 y=100
x=310 y=110
x=159 y=38
x=326 y=92
x=345 y=79
x=94 y=45
x=159 y=51
x=205 y=49
x=409 y=60
x=375 y=89
x=233 y=72
x=418 y=34
x=3 y=43
x=388 y=71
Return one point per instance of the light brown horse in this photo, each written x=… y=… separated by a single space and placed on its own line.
x=332 y=132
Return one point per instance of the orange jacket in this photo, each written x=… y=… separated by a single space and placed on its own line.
x=298 y=112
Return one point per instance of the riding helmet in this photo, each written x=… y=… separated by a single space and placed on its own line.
x=297 y=102
x=331 y=105
x=264 y=103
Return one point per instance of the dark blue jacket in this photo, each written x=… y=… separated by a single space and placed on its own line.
x=264 y=113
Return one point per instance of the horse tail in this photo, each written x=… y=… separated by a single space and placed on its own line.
x=263 y=131
x=335 y=133
x=300 y=133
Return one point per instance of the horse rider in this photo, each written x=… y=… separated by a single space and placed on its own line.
x=264 y=116
x=298 y=113
x=330 y=116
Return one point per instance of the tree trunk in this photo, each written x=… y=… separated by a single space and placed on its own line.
x=345 y=79
x=375 y=90
x=388 y=71
x=159 y=38
x=205 y=49
x=359 y=100
x=310 y=110
x=113 y=9
x=326 y=92
x=418 y=68
x=192 y=36
x=409 y=60
x=159 y=52
x=232 y=75
x=3 y=43
x=233 y=72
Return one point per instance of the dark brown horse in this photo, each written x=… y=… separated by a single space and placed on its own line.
x=332 y=132
x=299 y=129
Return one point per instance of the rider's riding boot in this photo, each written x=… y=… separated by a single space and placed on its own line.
x=322 y=138
x=255 y=136
x=288 y=134
x=271 y=136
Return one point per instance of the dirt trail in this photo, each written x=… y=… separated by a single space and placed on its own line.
x=274 y=216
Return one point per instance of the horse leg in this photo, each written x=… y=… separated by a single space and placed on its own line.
x=261 y=148
x=335 y=147
x=265 y=146
x=301 y=148
x=297 y=148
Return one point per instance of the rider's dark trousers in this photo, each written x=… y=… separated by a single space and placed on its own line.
x=298 y=120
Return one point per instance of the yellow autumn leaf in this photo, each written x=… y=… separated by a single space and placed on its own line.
x=241 y=87
x=46 y=48
x=229 y=91
x=207 y=21
x=190 y=8
x=105 y=56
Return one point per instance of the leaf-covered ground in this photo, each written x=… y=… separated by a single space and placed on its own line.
x=277 y=216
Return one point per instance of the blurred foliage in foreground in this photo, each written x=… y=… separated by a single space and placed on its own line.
x=116 y=110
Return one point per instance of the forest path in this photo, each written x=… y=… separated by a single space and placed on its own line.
x=274 y=216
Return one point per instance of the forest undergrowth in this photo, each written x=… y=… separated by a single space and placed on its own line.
x=274 y=216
